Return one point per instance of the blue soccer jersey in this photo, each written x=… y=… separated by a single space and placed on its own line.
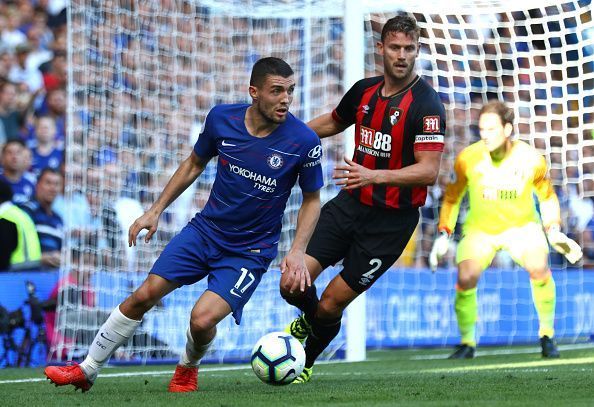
x=53 y=160
x=254 y=178
x=22 y=190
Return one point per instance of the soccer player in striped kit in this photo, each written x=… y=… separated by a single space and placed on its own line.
x=399 y=137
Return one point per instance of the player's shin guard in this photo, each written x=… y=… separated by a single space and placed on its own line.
x=307 y=302
x=322 y=333
x=544 y=297
x=113 y=333
x=193 y=354
x=466 y=312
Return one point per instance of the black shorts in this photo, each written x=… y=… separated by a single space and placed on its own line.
x=369 y=239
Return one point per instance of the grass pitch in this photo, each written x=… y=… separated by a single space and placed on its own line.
x=497 y=377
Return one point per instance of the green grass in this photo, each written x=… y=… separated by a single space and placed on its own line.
x=398 y=377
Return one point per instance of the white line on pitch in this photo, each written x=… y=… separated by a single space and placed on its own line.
x=515 y=365
x=166 y=372
x=510 y=351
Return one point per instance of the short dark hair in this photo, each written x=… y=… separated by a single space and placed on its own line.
x=500 y=109
x=48 y=170
x=402 y=23
x=269 y=66
x=13 y=141
x=5 y=191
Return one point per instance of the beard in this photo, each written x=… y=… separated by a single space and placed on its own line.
x=270 y=115
x=399 y=74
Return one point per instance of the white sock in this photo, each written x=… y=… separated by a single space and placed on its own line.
x=113 y=333
x=193 y=354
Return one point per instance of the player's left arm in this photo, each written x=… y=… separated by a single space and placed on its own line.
x=423 y=172
x=294 y=262
x=550 y=213
x=311 y=179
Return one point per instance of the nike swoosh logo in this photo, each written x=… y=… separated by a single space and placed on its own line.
x=232 y=291
x=106 y=338
x=227 y=144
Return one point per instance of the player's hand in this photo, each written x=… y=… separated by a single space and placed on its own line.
x=148 y=221
x=353 y=175
x=564 y=245
x=439 y=249
x=297 y=275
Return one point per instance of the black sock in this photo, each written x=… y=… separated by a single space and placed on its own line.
x=307 y=302
x=323 y=331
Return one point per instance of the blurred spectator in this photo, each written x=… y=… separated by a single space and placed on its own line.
x=39 y=54
x=15 y=159
x=12 y=115
x=23 y=73
x=20 y=247
x=47 y=151
x=55 y=72
x=54 y=106
x=11 y=35
x=6 y=61
x=56 y=12
x=49 y=225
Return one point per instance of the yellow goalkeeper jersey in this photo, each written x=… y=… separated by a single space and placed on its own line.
x=500 y=193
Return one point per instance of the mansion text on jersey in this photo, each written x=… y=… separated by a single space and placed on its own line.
x=261 y=182
x=373 y=152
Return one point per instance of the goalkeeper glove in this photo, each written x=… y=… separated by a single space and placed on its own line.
x=564 y=245
x=439 y=249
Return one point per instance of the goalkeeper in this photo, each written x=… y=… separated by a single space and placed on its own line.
x=500 y=176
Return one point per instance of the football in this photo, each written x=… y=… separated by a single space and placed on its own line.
x=278 y=358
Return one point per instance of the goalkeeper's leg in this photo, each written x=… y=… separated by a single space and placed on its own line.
x=544 y=297
x=116 y=331
x=466 y=307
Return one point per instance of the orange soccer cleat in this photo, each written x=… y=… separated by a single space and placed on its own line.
x=64 y=375
x=184 y=379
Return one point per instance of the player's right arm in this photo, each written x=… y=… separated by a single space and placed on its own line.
x=184 y=176
x=326 y=126
x=342 y=117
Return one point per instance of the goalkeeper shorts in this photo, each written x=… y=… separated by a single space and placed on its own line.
x=518 y=241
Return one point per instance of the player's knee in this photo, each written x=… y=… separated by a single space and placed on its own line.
x=539 y=272
x=142 y=300
x=285 y=288
x=330 y=306
x=203 y=322
x=467 y=281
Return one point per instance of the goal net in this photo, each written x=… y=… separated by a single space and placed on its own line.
x=143 y=76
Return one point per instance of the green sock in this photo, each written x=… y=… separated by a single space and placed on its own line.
x=466 y=312
x=544 y=297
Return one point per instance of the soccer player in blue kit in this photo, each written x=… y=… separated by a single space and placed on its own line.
x=262 y=150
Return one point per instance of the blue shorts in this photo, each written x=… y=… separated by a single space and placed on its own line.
x=189 y=257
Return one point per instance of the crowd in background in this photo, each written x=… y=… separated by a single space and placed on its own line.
x=144 y=75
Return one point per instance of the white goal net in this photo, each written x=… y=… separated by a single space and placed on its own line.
x=143 y=75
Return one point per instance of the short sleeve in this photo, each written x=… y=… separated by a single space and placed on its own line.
x=206 y=145
x=311 y=177
x=346 y=110
x=429 y=125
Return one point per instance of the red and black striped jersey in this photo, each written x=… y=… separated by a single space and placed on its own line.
x=388 y=130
